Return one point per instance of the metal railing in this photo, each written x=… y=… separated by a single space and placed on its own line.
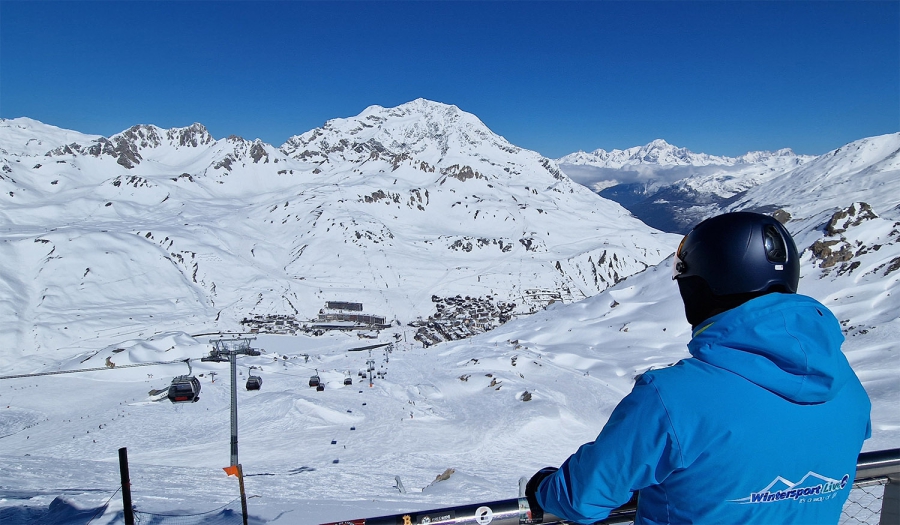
x=874 y=500
x=875 y=497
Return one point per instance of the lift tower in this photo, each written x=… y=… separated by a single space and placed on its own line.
x=227 y=350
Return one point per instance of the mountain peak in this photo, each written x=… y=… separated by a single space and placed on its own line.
x=423 y=128
x=193 y=136
x=656 y=152
x=150 y=136
x=658 y=144
x=419 y=105
x=141 y=136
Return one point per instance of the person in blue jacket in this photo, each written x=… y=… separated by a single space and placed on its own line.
x=763 y=424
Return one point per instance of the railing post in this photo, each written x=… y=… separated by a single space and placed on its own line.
x=240 y=471
x=883 y=464
x=126 y=486
x=890 y=505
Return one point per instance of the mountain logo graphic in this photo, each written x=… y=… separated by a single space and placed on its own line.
x=812 y=485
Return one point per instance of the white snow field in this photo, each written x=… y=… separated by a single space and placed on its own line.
x=493 y=407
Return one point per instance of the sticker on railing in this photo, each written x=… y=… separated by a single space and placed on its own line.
x=484 y=515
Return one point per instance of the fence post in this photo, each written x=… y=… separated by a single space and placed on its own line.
x=243 y=494
x=890 y=504
x=237 y=470
x=126 y=486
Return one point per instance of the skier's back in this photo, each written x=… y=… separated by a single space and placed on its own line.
x=762 y=425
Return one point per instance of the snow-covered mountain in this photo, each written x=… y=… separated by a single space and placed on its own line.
x=664 y=185
x=657 y=153
x=153 y=230
x=654 y=163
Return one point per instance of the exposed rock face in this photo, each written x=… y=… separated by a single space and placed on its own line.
x=823 y=250
x=120 y=148
x=852 y=216
x=851 y=234
x=258 y=152
x=781 y=216
x=194 y=136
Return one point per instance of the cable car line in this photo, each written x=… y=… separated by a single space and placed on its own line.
x=285 y=374
x=100 y=368
x=370 y=347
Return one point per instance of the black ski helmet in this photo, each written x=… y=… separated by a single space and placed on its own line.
x=739 y=253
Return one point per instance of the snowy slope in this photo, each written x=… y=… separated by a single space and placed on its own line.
x=28 y=137
x=864 y=170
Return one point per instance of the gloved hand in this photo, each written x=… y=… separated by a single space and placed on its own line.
x=537 y=513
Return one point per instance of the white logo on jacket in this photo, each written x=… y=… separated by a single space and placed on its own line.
x=813 y=487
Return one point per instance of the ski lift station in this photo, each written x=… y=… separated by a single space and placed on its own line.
x=341 y=315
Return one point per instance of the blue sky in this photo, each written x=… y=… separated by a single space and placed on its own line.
x=716 y=77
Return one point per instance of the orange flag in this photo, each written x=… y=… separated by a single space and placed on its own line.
x=231 y=471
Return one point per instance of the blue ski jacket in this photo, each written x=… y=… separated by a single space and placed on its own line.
x=762 y=425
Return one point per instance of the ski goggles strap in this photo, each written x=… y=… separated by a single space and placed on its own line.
x=678 y=265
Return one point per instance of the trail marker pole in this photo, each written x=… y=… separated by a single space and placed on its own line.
x=238 y=471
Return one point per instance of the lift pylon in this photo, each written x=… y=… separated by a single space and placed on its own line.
x=228 y=350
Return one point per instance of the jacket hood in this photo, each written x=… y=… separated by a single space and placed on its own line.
x=786 y=343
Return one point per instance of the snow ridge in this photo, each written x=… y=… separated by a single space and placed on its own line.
x=661 y=153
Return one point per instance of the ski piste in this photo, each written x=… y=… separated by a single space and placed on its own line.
x=504 y=512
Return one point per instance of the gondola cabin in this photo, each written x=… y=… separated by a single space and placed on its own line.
x=184 y=389
x=254 y=383
x=320 y=388
x=348 y=381
x=314 y=381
